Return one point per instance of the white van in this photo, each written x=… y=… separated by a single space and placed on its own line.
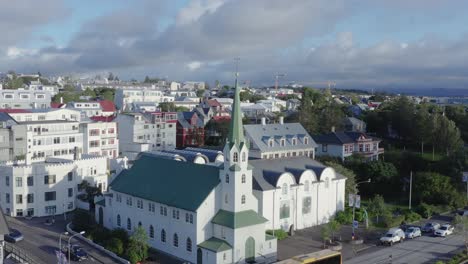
x=393 y=236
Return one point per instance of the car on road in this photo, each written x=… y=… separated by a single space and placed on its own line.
x=412 y=232
x=394 y=235
x=14 y=236
x=444 y=230
x=430 y=227
x=77 y=253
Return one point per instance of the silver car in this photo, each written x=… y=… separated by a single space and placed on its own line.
x=412 y=232
x=430 y=227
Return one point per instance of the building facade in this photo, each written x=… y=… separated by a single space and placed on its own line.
x=190 y=130
x=25 y=99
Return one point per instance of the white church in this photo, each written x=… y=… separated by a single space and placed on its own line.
x=219 y=212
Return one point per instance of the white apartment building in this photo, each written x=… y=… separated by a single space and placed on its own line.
x=93 y=108
x=100 y=138
x=125 y=97
x=25 y=99
x=145 y=132
x=45 y=188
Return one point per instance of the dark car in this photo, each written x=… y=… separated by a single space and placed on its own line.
x=14 y=236
x=77 y=253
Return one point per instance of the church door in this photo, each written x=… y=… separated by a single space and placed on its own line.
x=199 y=256
x=101 y=216
x=250 y=250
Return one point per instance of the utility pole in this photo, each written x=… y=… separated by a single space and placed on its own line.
x=410 y=188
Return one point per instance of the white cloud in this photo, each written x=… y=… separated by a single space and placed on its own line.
x=194 y=65
x=15 y=52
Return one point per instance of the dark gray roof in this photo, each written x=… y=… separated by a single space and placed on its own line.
x=260 y=134
x=340 y=138
x=266 y=172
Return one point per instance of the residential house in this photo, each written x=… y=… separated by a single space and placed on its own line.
x=190 y=130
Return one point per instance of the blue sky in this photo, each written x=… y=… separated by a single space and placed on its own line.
x=356 y=43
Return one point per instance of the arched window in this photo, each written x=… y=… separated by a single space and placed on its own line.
x=175 y=240
x=224 y=256
x=243 y=156
x=235 y=157
x=226 y=198
x=306 y=186
x=327 y=183
x=129 y=224
x=227 y=178
x=306 y=140
x=139 y=224
x=163 y=236
x=243 y=178
x=284 y=189
x=151 y=231
x=243 y=199
x=118 y=220
x=282 y=142
x=188 y=245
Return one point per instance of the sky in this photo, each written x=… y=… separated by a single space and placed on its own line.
x=361 y=44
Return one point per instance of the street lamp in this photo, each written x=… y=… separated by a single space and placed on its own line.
x=354 y=201
x=60 y=245
x=69 y=248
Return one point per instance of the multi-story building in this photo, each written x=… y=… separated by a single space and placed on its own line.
x=280 y=140
x=125 y=97
x=345 y=144
x=48 y=187
x=100 y=137
x=146 y=131
x=24 y=99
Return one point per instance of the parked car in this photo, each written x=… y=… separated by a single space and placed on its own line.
x=77 y=253
x=430 y=227
x=14 y=236
x=444 y=230
x=393 y=236
x=412 y=232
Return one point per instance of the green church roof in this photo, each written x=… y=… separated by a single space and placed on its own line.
x=239 y=219
x=215 y=244
x=179 y=184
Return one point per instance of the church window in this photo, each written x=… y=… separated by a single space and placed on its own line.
x=226 y=198
x=176 y=240
x=243 y=178
x=284 y=189
x=191 y=218
x=235 y=157
x=189 y=245
x=243 y=156
x=129 y=224
x=227 y=178
x=151 y=231
x=139 y=224
x=163 y=236
x=327 y=183
x=243 y=199
x=306 y=186
x=224 y=256
x=118 y=220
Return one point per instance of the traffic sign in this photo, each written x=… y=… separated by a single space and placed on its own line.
x=354 y=200
x=465 y=176
x=355 y=224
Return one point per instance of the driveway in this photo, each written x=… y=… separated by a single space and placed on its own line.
x=42 y=241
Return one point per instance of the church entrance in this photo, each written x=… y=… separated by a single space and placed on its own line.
x=199 y=256
x=250 y=250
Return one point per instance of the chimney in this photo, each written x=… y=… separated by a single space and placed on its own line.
x=333 y=129
x=263 y=121
x=61 y=99
x=281 y=120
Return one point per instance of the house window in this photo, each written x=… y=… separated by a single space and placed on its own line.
x=50 y=196
x=19 y=199
x=227 y=178
x=306 y=186
x=30 y=198
x=7 y=198
x=361 y=148
x=191 y=218
x=70 y=192
x=94 y=132
x=284 y=189
x=226 y=198
x=49 y=179
x=189 y=245
x=243 y=199
x=282 y=142
x=118 y=198
x=294 y=141
x=140 y=204
x=56 y=140
x=327 y=183
x=235 y=157
x=129 y=224
x=7 y=180
x=70 y=176
x=243 y=156
x=306 y=140
x=151 y=231
x=139 y=224
x=324 y=148
x=118 y=220
x=224 y=256
x=270 y=143
x=129 y=201
x=243 y=178
x=19 y=182
x=163 y=236
x=367 y=147
x=176 y=240
x=94 y=144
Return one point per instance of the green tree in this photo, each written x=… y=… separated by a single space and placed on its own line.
x=435 y=188
x=15 y=83
x=66 y=97
x=402 y=117
x=331 y=117
x=200 y=93
x=423 y=126
x=89 y=92
x=115 y=245
x=137 y=249
x=167 y=107
x=447 y=135
x=377 y=207
x=107 y=95
x=68 y=88
x=334 y=227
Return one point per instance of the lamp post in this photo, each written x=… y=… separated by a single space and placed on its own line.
x=60 y=245
x=69 y=248
x=354 y=202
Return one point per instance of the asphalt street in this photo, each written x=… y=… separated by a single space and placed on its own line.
x=42 y=241
x=425 y=249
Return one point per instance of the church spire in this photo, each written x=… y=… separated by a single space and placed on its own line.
x=236 y=130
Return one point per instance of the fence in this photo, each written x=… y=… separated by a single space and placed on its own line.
x=19 y=255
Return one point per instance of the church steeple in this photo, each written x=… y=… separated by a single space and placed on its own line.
x=236 y=130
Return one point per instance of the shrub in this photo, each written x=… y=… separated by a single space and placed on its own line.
x=100 y=235
x=115 y=245
x=120 y=234
x=425 y=210
x=411 y=216
x=392 y=221
x=280 y=234
x=82 y=220
x=344 y=217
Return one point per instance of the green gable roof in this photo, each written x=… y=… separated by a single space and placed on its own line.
x=179 y=184
x=215 y=244
x=239 y=219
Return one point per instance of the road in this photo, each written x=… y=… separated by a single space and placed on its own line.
x=41 y=241
x=425 y=249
